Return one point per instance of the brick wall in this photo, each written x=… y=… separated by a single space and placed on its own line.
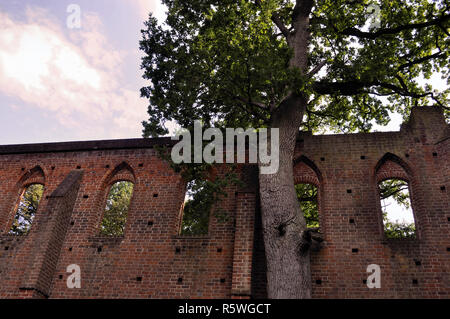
x=152 y=260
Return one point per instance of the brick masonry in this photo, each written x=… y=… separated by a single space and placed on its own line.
x=152 y=260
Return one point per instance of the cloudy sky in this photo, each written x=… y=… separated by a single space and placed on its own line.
x=59 y=83
x=63 y=83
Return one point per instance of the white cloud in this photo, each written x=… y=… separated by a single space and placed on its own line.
x=76 y=76
x=144 y=7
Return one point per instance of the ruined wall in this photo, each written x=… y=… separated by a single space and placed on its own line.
x=152 y=260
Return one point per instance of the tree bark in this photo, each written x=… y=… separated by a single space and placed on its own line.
x=285 y=240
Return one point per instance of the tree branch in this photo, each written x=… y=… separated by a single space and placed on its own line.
x=421 y=60
x=354 y=87
x=276 y=19
x=317 y=68
x=389 y=31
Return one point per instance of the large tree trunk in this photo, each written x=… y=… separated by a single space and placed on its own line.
x=285 y=240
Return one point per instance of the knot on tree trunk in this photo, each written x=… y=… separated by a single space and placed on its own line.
x=310 y=239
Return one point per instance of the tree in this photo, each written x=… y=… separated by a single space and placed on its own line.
x=116 y=210
x=291 y=64
x=307 y=196
x=196 y=209
x=27 y=209
x=398 y=190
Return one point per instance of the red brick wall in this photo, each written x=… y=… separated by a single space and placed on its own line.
x=152 y=260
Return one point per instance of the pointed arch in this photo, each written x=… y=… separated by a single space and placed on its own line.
x=395 y=184
x=29 y=190
x=305 y=171
x=307 y=181
x=35 y=175
x=392 y=166
x=122 y=172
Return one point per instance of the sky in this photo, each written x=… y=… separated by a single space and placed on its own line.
x=63 y=83
x=60 y=81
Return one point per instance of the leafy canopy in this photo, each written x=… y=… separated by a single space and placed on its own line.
x=116 y=210
x=396 y=190
x=307 y=197
x=26 y=210
x=226 y=62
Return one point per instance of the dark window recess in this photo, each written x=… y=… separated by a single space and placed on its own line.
x=72 y=223
x=107 y=166
x=99 y=249
x=141 y=165
x=363 y=157
x=53 y=167
x=406 y=155
x=219 y=250
x=6 y=248
x=435 y=154
x=150 y=223
x=319 y=281
x=138 y=278
x=355 y=250
x=442 y=188
x=155 y=195
x=448 y=248
x=448 y=219
x=351 y=221
x=365 y=281
x=178 y=250
x=222 y=280
x=349 y=191
x=85 y=196
x=418 y=262
x=70 y=249
x=23 y=168
x=78 y=167
x=60 y=276
x=415 y=281
x=322 y=159
x=180 y=280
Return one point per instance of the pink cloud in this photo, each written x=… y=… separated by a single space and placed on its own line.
x=76 y=76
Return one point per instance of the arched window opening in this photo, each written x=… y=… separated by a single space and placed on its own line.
x=116 y=210
x=307 y=197
x=398 y=217
x=197 y=205
x=26 y=211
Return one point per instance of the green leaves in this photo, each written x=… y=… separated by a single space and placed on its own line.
x=116 y=210
x=227 y=63
x=397 y=190
x=410 y=42
x=213 y=58
x=203 y=191
x=26 y=210
x=307 y=197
